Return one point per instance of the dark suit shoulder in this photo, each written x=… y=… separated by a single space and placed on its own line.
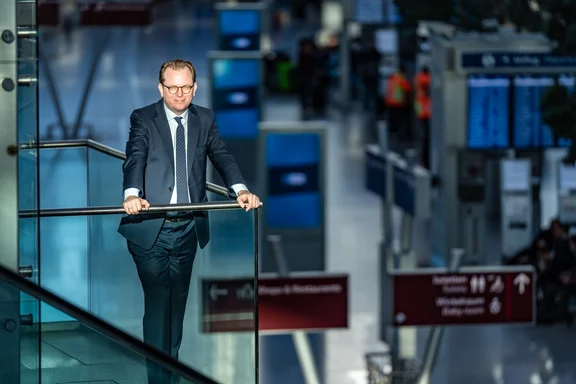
x=147 y=112
x=202 y=112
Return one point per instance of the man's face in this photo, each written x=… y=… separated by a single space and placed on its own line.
x=173 y=91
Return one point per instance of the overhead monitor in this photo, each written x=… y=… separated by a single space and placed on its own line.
x=529 y=131
x=236 y=96
x=488 y=112
x=239 y=29
x=293 y=191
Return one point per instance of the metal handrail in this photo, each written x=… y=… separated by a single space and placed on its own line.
x=214 y=188
x=103 y=327
x=158 y=209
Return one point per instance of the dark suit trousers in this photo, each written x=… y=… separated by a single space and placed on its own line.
x=165 y=272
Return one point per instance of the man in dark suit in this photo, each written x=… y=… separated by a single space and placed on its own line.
x=166 y=156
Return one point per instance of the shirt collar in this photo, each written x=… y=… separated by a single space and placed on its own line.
x=171 y=115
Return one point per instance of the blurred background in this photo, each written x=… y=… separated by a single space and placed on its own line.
x=415 y=160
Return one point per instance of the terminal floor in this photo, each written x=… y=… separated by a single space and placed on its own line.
x=126 y=79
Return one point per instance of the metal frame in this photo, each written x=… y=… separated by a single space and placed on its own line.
x=9 y=138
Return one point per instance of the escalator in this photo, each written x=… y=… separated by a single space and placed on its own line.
x=93 y=352
x=74 y=309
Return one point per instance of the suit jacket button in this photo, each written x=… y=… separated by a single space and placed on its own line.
x=170 y=189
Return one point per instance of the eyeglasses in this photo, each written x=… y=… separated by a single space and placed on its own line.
x=173 y=89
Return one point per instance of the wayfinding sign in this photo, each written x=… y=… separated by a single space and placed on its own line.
x=471 y=60
x=470 y=296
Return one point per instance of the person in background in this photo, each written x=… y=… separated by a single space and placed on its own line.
x=397 y=100
x=369 y=69
x=423 y=109
x=307 y=74
x=166 y=157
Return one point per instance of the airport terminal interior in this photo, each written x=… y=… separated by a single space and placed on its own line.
x=417 y=183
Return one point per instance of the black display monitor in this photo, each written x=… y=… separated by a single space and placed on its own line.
x=529 y=131
x=488 y=112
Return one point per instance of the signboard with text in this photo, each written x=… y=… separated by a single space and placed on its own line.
x=487 y=60
x=317 y=302
x=492 y=296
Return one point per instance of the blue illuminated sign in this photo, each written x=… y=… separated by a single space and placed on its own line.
x=293 y=164
x=488 y=60
x=488 y=112
x=529 y=129
x=239 y=30
x=404 y=186
x=375 y=172
x=235 y=96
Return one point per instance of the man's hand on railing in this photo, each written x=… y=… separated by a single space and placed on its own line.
x=248 y=200
x=133 y=205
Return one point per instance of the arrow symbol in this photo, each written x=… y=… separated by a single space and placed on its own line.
x=215 y=292
x=521 y=281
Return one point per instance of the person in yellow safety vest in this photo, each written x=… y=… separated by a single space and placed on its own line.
x=397 y=100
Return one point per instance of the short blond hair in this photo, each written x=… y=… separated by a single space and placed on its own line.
x=176 y=64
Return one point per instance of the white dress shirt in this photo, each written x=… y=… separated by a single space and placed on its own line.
x=173 y=126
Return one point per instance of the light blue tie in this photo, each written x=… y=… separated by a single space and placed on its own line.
x=181 y=171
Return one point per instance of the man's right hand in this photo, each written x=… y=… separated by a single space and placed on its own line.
x=133 y=205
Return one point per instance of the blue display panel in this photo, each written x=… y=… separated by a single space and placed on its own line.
x=488 y=112
x=236 y=96
x=403 y=184
x=293 y=164
x=529 y=129
x=239 y=30
x=375 y=173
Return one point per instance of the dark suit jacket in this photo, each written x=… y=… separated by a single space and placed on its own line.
x=149 y=166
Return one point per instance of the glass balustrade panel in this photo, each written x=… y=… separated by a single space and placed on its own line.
x=77 y=354
x=94 y=269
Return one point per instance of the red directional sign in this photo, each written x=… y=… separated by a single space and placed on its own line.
x=284 y=304
x=477 y=296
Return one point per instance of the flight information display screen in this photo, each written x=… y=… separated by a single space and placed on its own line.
x=235 y=96
x=293 y=163
x=529 y=129
x=239 y=30
x=488 y=112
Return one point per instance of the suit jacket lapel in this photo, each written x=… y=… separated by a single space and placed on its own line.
x=193 y=135
x=161 y=121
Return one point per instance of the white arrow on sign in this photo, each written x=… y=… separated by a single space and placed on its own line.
x=521 y=281
x=215 y=292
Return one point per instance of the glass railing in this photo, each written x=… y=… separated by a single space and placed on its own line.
x=84 y=260
x=91 y=352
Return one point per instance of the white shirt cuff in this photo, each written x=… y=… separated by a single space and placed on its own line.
x=239 y=187
x=131 y=192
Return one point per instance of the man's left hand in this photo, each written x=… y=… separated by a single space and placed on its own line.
x=248 y=200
